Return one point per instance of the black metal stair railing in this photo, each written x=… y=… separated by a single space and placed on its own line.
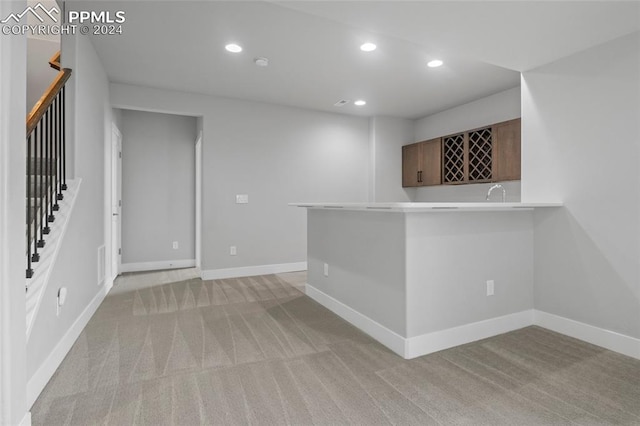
x=46 y=164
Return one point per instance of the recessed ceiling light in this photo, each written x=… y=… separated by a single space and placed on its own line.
x=233 y=48
x=261 y=61
x=368 y=47
x=360 y=102
x=435 y=63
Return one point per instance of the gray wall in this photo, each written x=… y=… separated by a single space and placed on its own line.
x=158 y=191
x=502 y=106
x=451 y=255
x=365 y=252
x=388 y=135
x=277 y=155
x=581 y=133
x=418 y=273
x=476 y=192
x=117 y=117
x=39 y=74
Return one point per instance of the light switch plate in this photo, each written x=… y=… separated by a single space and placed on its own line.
x=490 y=288
x=242 y=199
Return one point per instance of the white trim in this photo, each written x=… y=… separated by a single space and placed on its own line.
x=607 y=339
x=113 y=162
x=467 y=333
x=198 y=208
x=102 y=262
x=413 y=347
x=43 y=374
x=250 y=271
x=108 y=286
x=382 y=334
x=26 y=420
x=157 y=266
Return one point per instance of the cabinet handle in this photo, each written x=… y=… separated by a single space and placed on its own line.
x=420 y=176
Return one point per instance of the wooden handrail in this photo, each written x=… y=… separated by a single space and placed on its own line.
x=47 y=99
x=54 y=62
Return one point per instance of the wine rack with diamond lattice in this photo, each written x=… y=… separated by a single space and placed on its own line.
x=480 y=155
x=453 y=156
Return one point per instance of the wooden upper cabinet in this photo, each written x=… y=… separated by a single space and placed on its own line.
x=411 y=155
x=506 y=150
x=431 y=171
x=486 y=154
x=421 y=163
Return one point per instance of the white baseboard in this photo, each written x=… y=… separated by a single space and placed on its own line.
x=382 y=334
x=439 y=340
x=157 y=266
x=108 y=285
x=467 y=333
x=413 y=347
x=607 y=339
x=26 y=420
x=427 y=343
x=44 y=373
x=249 y=271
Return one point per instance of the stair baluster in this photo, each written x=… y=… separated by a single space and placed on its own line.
x=33 y=223
x=29 y=214
x=50 y=165
x=54 y=147
x=64 y=148
x=47 y=172
x=59 y=144
x=38 y=187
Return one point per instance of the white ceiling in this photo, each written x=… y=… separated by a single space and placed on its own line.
x=313 y=48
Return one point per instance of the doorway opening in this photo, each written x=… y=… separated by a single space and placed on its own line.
x=156 y=194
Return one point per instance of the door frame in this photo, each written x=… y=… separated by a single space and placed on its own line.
x=198 y=206
x=115 y=184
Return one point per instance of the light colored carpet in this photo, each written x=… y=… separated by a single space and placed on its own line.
x=257 y=351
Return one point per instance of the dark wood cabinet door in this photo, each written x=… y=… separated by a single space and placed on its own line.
x=431 y=162
x=411 y=163
x=506 y=150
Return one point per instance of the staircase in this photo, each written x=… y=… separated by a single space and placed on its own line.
x=46 y=165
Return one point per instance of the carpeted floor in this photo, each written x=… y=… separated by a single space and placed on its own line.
x=257 y=351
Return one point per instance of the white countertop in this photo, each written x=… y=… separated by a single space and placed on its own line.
x=428 y=207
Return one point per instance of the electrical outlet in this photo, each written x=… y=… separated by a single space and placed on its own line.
x=242 y=199
x=490 y=287
x=233 y=251
x=62 y=297
x=175 y=245
x=326 y=269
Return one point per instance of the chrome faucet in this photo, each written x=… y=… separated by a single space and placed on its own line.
x=496 y=186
